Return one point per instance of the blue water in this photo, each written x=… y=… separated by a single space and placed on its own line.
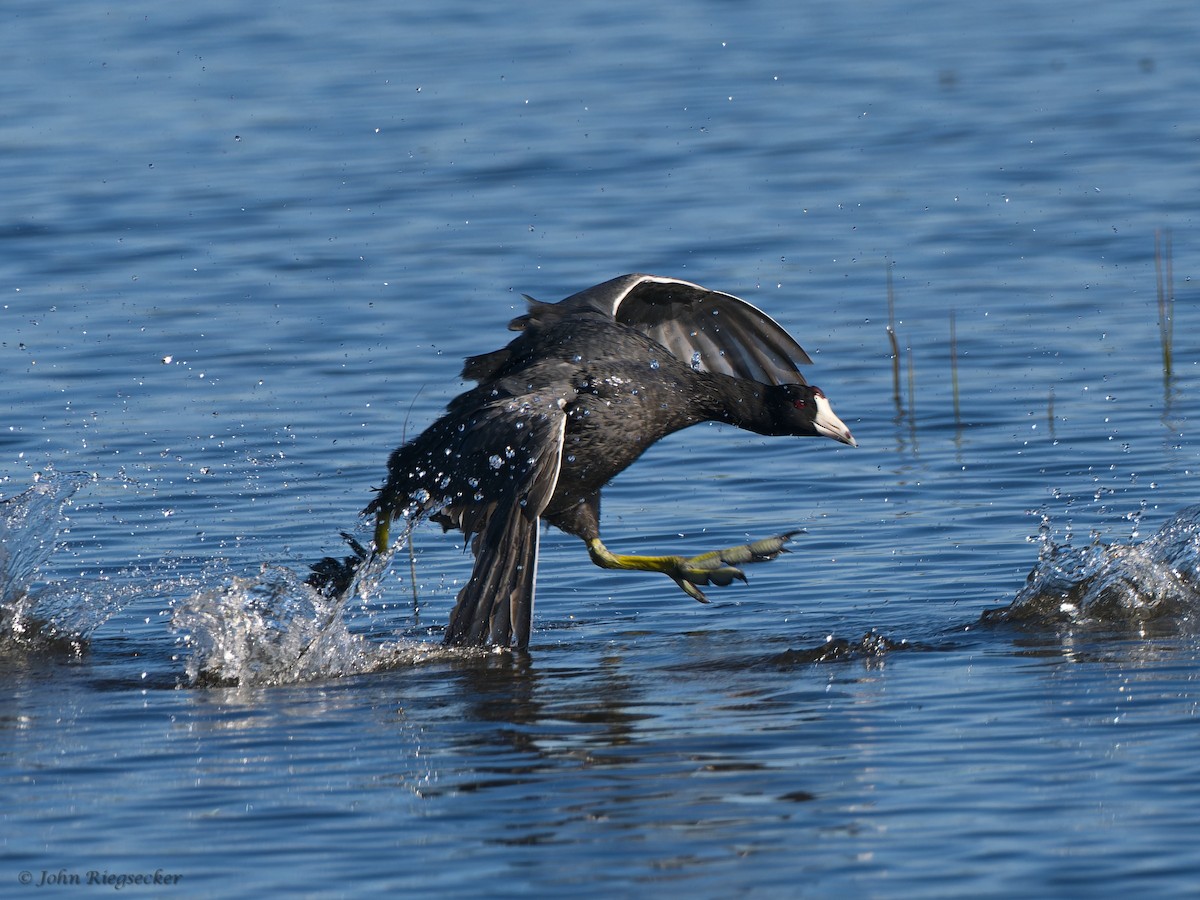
x=243 y=249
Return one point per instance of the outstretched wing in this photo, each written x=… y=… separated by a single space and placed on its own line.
x=709 y=330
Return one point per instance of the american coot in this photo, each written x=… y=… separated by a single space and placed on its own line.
x=588 y=385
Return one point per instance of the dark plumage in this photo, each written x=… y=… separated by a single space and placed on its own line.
x=588 y=385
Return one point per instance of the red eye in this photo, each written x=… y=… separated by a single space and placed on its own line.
x=801 y=403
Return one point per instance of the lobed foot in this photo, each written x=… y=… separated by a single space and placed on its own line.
x=332 y=576
x=719 y=567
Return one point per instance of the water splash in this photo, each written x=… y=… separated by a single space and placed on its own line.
x=268 y=629
x=35 y=612
x=275 y=628
x=42 y=609
x=1121 y=586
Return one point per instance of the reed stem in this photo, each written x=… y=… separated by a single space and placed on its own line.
x=891 y=332
x=954 y=369
x=1166 y=298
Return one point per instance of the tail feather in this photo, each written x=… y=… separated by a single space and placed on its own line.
x=496 y=605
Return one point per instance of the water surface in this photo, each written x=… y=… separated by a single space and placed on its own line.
x=244 y=252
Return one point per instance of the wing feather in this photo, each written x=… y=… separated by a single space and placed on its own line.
x=488 y=467
x=495 y=606
x=710 y=330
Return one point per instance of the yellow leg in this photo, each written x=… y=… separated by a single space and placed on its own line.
x=719 y=567
x=383 y=530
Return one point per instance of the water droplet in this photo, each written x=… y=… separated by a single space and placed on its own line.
x=495 y=462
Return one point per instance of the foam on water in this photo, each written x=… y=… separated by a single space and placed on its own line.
x=1152 y=585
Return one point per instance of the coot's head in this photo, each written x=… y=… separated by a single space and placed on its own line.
x=802 y=409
